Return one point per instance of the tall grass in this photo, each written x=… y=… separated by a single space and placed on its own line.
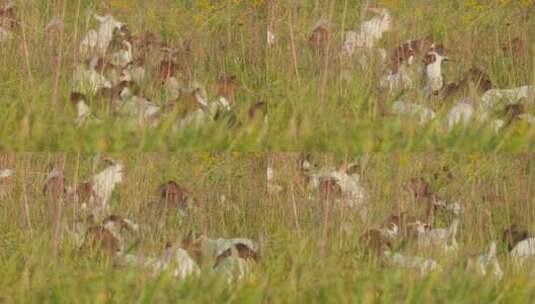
x=321 y=102
x=496 y=189
x=36 y=69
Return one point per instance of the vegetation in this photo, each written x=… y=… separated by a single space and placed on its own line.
x=496 y=189
x=37 y=67
x=317 y=103
x=323 y=102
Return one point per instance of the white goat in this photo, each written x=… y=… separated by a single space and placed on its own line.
x=445 y=239
x=353 y=194
x=372 y=30
x=103 y=184
x=174 y=259
x=493 y=97
x=433 y=71
x=404 y=78
x=482 y=262
x=123 y=57
x=145 y=109
x=523 y=251
x=404 y=108
x=423 y=265
x=99 y=41
x=462 y=113
x=89 y=81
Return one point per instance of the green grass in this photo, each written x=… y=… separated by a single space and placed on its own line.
x=497 y=189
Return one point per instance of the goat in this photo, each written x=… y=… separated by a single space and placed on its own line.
x=478 y=79
x=433 y=71
x=321 y=36
x=106 y=239
x=227 y=86
x=404 y=108
x=99 y=41
x=373 y=30
x=462 y=113
x=513 y=235
x=174 y=259
x=204 y=249
x=234 y=262
x=376 y=242
x=83 y=111
x=55 y=186
x=423 y=265
x=481 y=263
x=172 y=194
x=493 y=97
x=102 y=186
x=445 y=239
x=523 y=251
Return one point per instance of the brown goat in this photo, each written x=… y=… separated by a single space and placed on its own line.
x=515 y=48
x=258 y=109
x=55 y=187
x=329 y=188
x=475 y=77
x=172 y=194
x=100 y=240
x=320 y=38
x=227 y=86
x=375 y=242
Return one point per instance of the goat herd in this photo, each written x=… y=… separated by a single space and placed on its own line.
x=473 y=99
x=117 y=65
x=98 y=233
x=407 y=239
x=402 y=232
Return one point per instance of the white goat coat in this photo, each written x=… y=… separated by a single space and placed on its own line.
x=372 y=30
x=404 y=108
x=523 y=251
x=462 y=113
x=483 y=262
x=494 y=97
x=104 y=182
x=99 y=41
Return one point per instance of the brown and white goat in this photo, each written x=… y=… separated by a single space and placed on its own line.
x=106 y=239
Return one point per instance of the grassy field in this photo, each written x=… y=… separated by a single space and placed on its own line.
x=496 y=190
x=322 y=102
x=317 y=102
x=36 y=71
x=30 y=273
